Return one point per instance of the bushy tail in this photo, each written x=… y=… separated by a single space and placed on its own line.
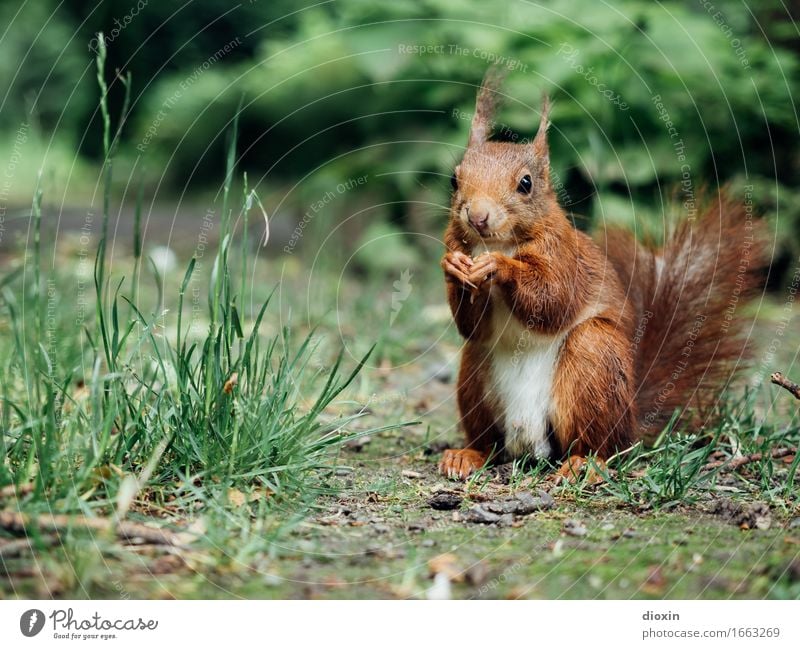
x=690 y=338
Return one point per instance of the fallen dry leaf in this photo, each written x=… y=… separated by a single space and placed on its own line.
x=258 y=494
x=445 y=564
x=477 y=574
x=167 y=564
x=573 y=527
x=13 y=491
x=655 y=583
x=236 y=497
x=231 y=383
x=196 y=530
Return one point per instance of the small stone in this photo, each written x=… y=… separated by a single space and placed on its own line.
x=506 y=520
x=478 y=514
x=413 y=475
x=442 y=373
x=381 y=529
x=746 y=516
x=655 y=583
x=759 y=516
x=504 y=507
x=272 y=580
x=163 y=259
x=574 y=528
x=794 y=523
x=343 y=470
x=445 y=500
x=477 y=574
x=505 y=472
x=547 y=499
x=527 y=503
x=763 y=522
x=434 y=448
x=167 y=564
x=358 y=443
x=793 y=571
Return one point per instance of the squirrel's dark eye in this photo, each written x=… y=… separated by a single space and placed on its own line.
x=525 y=185
x=454 y=182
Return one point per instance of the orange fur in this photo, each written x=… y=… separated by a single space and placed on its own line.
x=690 y=337
x=614 y=319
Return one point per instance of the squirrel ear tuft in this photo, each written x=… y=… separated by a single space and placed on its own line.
x=540 y=147
x=486 y=105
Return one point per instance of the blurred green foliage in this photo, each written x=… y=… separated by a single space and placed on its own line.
x=334 y=90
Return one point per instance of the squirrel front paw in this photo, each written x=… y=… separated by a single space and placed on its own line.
x=461 y=462
x=483 y=268
x=457 y=265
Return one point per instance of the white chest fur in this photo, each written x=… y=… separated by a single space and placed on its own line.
x=523 y=365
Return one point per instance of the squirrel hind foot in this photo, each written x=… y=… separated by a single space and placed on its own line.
x=461 y=462
x=570 y=471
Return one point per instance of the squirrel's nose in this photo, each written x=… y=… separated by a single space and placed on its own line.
x=479 y=217
x=478 y=213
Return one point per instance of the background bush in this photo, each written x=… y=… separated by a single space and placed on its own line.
x=332 y=92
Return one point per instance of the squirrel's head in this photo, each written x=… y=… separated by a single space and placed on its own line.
x=501 y=189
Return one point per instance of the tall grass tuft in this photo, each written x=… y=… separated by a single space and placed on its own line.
x=138 y=415
x=685 y=466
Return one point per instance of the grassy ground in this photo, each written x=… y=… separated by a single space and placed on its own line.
x=163 y=434
x=681 y=522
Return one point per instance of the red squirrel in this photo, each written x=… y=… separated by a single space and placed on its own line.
x=574 y=346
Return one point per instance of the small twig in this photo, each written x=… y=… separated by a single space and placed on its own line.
x=16 y=522
x=735 y=463
x=15 y=491
x=779 y=379
x=23 y=546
